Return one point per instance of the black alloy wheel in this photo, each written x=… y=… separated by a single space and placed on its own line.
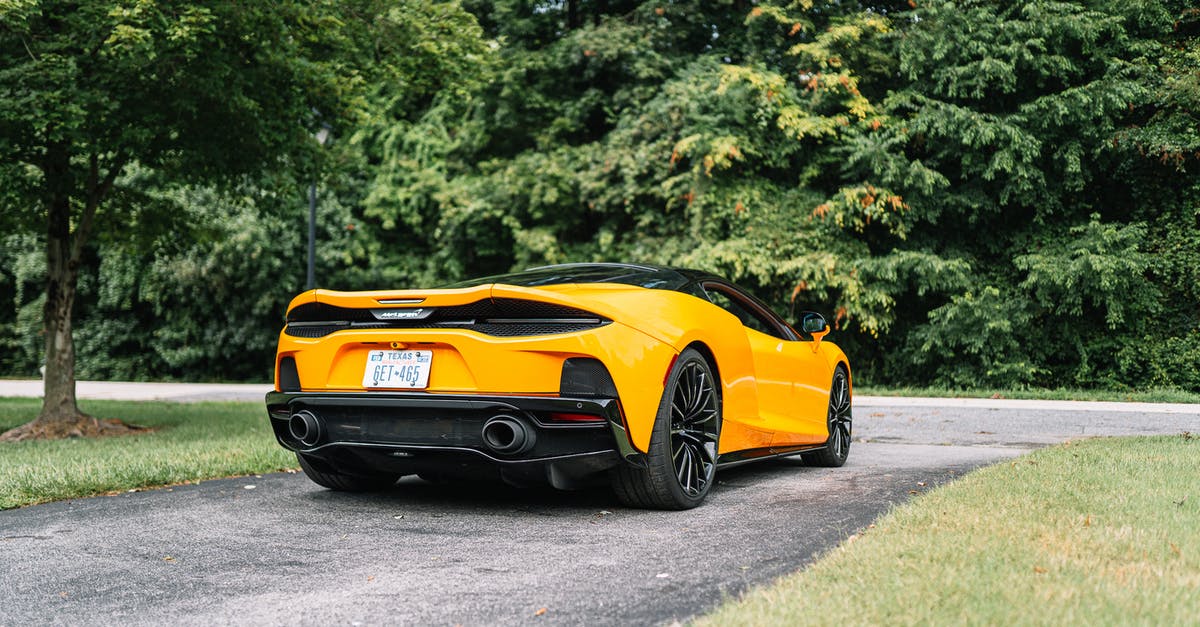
x=840 y=421
x=682 y=461
x=694 y=423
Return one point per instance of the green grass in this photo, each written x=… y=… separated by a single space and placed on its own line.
x=191 y=441
x=1103 y=532
x=1146 y=396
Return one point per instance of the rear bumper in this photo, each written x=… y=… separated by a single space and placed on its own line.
x=439 y=433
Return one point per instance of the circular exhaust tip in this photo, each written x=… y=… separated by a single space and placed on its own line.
x=305 y=427
x=507 y=435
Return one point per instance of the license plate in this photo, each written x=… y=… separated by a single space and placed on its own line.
x=397 y=369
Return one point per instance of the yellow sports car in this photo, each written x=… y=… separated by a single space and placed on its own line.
x=651 y=377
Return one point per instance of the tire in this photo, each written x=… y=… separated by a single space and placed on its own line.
x=839 y=421
x=682 y=460
x=343 y=482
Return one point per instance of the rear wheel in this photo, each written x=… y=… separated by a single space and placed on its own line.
x=330 y=478
x=682 y=460
x=839 y=420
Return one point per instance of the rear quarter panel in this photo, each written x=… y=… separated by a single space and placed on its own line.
x=681 y=320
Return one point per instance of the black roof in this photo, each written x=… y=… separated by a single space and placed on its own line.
x=654 y=277
x=641 y=275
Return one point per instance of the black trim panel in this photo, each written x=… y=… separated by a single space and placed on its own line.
x=500 y=317
x=455 y=418
x=289 y=377
x=737 y=458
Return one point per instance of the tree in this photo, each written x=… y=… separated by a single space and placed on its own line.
x=705 y=134
x=1030 y=112
x=194 y=93
x=975 y=191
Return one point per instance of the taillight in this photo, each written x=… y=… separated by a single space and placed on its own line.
x=571 y=417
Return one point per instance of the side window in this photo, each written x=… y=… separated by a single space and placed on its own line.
x=749 y=317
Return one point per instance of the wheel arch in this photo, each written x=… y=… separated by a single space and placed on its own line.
x=845 y=363
x=835 y=356
x=710 y=358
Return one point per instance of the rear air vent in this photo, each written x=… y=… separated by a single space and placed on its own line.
x=502 y=317
x=586 y=377
x=289 y=378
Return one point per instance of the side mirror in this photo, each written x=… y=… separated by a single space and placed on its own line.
x=813 y=322
x=813 y=325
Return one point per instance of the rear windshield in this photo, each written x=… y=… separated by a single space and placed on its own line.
x=642 y=276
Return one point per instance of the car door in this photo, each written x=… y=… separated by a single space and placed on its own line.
x=793 y=380
x=812 y=376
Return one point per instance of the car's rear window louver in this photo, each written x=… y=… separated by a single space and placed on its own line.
x=501 y=317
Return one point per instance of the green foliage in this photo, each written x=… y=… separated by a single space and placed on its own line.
x=681 y=149
x=976 y=337
x=153 y=81
x=1172 y=131
x=22 y=271
x=1098 y=266
x=211 y=303
x=142 y=122
x=976 y=193
x=1024 y=111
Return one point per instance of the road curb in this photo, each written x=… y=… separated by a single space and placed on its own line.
x=137 y=391
x=1031 y=405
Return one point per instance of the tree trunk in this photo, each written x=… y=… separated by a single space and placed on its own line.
x=60 y=416
x=62 y=277
x=572 y=14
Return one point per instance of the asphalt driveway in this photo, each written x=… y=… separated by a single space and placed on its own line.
x=278 y=549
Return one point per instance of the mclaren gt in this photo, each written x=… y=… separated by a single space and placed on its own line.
x=650 y=377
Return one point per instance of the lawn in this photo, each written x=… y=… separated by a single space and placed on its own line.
x=1103 y=531
x=190 y=442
